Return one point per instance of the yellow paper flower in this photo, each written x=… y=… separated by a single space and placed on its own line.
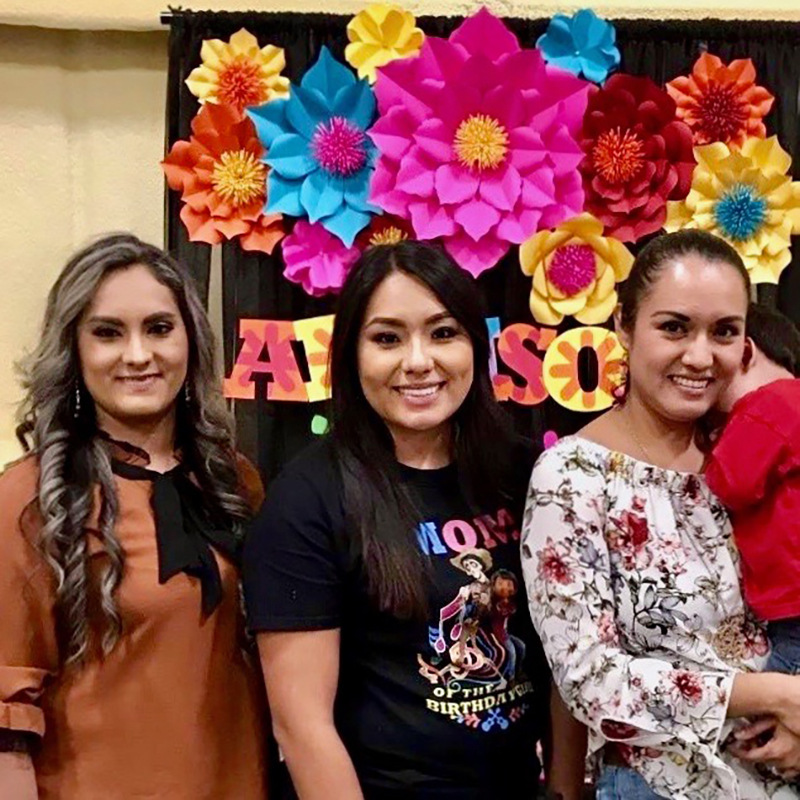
x=238 y=72
x=575 y=271
x=380 y=34
x=747 y=198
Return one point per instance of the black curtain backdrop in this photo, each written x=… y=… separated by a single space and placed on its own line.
x=253 y=284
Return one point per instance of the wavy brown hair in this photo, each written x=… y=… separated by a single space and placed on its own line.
x=74 y=461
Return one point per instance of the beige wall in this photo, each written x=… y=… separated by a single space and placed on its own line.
x=82 y=130
x=144 y=14
x=81 y=135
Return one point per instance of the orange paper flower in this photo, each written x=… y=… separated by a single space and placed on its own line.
x=223 y=181
x=721 y=103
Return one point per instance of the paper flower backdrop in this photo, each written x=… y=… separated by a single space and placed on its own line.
x=380 y=34
x=222 y=181
x=583 y=44
x=638 y=156
x=575 y=270
x=319 y=261
x=316 y=259
x=747 y=197
x=320 y=156
x=477 y=142
x=721 y=103
x=385 y=229
x=239 y=72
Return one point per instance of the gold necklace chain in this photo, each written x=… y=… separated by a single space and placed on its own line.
x=637 y=440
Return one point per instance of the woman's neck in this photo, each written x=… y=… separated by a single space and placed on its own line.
x=429 y=449
x=663 y=442
x=156 y=437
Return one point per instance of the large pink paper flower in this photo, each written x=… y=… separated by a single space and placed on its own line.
x=477 y=142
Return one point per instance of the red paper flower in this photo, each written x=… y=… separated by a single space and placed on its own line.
x=721 y=103
x=638 y=156
x=223 y=181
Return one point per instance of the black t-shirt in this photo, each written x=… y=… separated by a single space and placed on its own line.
x=452 y=709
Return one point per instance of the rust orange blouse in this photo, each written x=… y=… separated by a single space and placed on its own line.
x=175 y=712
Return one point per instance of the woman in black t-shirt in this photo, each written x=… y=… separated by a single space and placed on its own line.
x=382 y=575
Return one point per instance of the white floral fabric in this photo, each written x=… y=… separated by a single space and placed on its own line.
x=633 y=586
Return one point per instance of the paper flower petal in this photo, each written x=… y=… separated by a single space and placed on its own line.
x=746 y=197
x=575 y=270
x=463 y=127
x=378 y=35
x=316 y=259
x=321 y=158
x=223 y=181
x=637 y=156
x=239 y=73
x=721 y=103
x=582 y=44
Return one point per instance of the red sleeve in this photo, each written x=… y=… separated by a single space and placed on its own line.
x=746 y=461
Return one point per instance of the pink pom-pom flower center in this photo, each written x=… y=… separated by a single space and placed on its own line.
x=339 y=147
x=572 y=268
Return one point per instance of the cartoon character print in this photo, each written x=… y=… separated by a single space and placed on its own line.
x=471 y=641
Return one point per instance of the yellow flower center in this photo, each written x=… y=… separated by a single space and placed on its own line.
x=389 y=235
x=618 y=156
x=481 y=142
x=239 y=177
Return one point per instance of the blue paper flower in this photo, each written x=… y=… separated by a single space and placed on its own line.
x=581 y=44
x=319 y=156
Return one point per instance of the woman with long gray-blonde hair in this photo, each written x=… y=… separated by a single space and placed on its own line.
x=121 y=671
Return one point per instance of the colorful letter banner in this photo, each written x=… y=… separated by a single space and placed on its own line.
x=537 y=363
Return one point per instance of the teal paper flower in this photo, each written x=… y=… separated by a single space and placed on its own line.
x=319 y=156
x=582 y=44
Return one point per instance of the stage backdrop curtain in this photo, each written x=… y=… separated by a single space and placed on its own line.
x=253 y=285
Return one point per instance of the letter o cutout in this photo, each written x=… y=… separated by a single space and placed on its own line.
x=561 y=368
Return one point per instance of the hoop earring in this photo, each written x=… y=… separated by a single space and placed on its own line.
x=76 y=411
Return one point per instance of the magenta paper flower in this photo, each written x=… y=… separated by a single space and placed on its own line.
x=478 y=142
x=316 y=259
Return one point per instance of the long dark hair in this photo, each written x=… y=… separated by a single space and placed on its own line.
x=378 y=507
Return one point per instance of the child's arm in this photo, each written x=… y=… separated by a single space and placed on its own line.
x=746 y=461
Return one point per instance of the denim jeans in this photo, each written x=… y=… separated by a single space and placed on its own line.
x=784 y=636
x=623 y=783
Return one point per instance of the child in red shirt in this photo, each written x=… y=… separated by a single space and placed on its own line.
x=755 y=471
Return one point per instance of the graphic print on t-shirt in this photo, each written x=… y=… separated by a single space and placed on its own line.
x=474 y=663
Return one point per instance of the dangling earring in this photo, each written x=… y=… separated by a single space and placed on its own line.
x=187 y=393
x=76 y=411
x=620 y=391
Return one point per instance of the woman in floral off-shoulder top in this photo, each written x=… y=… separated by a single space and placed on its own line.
x=631 y=572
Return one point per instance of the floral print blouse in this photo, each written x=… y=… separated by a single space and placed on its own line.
x=634 y=589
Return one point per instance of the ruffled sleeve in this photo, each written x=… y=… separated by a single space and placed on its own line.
x=641 y=701
x=28 y=650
